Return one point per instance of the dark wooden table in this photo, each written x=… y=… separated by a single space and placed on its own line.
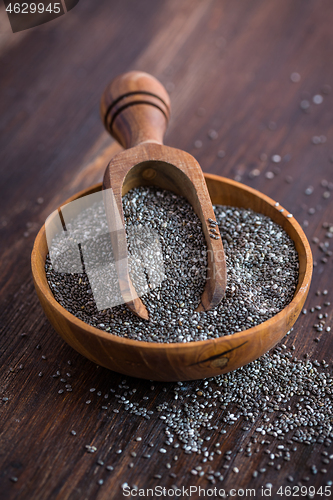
x=227 y=65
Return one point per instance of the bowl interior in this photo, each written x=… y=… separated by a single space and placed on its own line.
x=222 y=191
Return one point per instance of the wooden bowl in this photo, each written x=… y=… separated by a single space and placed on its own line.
x=182 y=361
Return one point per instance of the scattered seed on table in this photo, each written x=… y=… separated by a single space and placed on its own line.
x=212 y=134
x=317 y=99
x=295 y=77
x=305 y=105
x=90 y=449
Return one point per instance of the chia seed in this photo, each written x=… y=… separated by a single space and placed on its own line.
x=262 y=271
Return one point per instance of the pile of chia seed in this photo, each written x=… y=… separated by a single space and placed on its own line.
x=277 y=398
x=283 y=395
x=278 y=402
x=262 y=271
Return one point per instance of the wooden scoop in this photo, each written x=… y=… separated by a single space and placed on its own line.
x=135 y=108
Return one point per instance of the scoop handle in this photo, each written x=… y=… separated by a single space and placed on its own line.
x=135 y=109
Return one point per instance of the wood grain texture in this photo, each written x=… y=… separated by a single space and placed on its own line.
x=135 y=109
x=227 y=66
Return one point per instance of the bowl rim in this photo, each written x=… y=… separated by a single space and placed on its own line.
x=42 y=285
